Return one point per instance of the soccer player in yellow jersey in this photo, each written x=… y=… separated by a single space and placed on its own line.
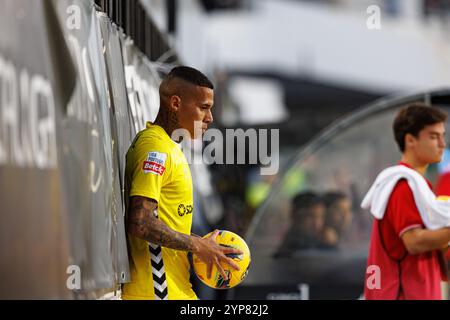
x=159 y=195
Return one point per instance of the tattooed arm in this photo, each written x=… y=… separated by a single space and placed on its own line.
x=142 y=223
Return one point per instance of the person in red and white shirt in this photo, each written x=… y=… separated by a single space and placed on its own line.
x=442 y=189
x=405 y=259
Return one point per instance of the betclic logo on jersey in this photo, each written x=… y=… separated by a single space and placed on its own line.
x=155 y=163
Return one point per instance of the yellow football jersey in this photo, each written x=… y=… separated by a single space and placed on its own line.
x=156 y=168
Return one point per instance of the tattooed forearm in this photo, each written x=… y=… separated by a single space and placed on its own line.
x=143 y=224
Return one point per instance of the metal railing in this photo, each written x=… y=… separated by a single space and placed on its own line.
x=131 y=16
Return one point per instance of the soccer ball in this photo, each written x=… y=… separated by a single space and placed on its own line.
x=226 y=239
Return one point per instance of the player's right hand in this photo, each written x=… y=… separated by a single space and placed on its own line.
x=207 y=250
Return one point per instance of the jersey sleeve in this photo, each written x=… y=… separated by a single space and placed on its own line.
x=404 y=215
x=151 y=166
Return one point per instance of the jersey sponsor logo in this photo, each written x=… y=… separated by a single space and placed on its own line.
x=153 y=167
x=155 y=163
x=182 y=209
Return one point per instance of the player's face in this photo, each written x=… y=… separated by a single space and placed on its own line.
x=429 y=145
x=196 y=108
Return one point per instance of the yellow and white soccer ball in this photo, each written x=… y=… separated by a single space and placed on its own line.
x=227 y=239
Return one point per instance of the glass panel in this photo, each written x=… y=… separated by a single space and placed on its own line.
x=322 y=211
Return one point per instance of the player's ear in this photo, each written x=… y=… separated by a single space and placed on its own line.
x=409 y=140
x=175 y=102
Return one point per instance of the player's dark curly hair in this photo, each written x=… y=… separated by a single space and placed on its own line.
x=412 y=118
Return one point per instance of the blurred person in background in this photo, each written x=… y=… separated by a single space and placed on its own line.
x=442 y=189
x=307 y=222
x=338 y=218
x=406 y=258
